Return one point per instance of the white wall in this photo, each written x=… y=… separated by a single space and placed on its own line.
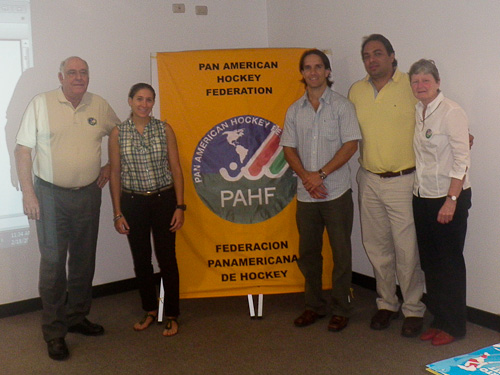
x=116 y=37
x=463 y=37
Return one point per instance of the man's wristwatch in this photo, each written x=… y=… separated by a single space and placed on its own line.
x=452 y=197
x=181 y=207
x=322 y=174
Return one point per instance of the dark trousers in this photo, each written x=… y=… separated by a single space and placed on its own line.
x=148 y=215
x=312 y=219
x=441 y=255
x=69 y=224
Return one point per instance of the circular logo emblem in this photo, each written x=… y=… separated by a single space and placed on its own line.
x=92 y=121
x=239 y=170
x=428 y=133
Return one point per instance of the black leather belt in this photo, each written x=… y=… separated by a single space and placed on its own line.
x=396 y=174
x=149 y=192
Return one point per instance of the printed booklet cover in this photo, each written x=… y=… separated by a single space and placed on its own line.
x=483 y=361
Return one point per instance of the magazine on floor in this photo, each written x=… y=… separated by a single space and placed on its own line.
x=483 y=361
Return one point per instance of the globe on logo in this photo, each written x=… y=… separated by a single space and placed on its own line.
x=240 y=172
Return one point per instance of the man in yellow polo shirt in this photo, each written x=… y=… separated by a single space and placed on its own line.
x=385 y=107
x=65 y=127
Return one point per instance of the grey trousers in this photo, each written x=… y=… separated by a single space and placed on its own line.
x=68 y=225
x=312 y=219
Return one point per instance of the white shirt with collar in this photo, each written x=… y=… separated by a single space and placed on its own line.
x=441 y=144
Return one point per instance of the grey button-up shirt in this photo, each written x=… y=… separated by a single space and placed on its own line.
x=318 y=135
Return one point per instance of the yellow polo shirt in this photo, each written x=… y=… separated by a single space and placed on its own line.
x=387 y=122
x=67 y=140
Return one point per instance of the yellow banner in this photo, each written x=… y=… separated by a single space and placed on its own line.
x=227 y=108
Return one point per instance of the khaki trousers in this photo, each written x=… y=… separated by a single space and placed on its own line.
x=389 y=238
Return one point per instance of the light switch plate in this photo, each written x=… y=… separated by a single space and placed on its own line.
x=178 y=8
x=201 y=10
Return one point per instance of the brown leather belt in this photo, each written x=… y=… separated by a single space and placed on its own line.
x=396 y=174
x=148 y=193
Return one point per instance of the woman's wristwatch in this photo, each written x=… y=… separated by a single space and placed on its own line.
x=182 y=207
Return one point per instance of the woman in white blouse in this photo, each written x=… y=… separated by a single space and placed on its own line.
x=441 y=201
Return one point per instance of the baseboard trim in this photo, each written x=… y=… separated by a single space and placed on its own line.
x=476 y=316
x=483 y=318
x=35 y=304
x=364 y=281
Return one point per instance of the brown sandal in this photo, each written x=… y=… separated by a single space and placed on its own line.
x=169 y=326
x=148 y=315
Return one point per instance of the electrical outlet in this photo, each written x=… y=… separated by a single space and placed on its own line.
x=178 y=8
x=201 y=10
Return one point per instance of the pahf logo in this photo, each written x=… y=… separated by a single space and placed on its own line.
x=239 y=170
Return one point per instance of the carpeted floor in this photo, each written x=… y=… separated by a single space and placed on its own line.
x=217 y=337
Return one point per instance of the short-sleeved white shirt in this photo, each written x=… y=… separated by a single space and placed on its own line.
x=67 y=140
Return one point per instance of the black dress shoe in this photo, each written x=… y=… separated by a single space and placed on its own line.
x=87 y=328
x=412 y=326
x=57 y=349
x=382 y=319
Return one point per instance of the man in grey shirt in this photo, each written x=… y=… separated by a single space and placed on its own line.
x=320 y=136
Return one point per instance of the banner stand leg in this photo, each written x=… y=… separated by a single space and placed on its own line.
x=260 y=306
x=250 y=306
x=160 y=302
